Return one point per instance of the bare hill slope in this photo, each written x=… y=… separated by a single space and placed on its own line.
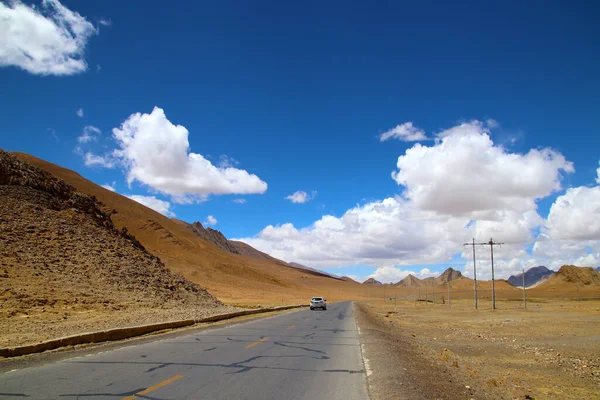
x=61 y=254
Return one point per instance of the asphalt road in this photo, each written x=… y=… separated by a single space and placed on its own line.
x=300 y=355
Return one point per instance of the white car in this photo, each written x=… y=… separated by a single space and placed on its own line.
x=318 y=302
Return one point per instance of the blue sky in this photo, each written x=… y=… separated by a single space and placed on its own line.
x=298 y=95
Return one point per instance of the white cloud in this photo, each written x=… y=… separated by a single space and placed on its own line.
x=49 y=40
x=575 y=215
x=152 y=202
x=92 y=160
x=461 y=187
x=111 y=187
x=156 y=153
x=79 y=112
x=105 y=22
x=210 y=220
x=301 y=197
x=598 y=177
x=405 y=132
x=464 y=173
x=239 y=201
x=389 y=274
x=90 y=134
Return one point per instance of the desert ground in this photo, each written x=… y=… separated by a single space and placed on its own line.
x=551 y=350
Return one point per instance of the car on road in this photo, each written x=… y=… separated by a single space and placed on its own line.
x=318 y=302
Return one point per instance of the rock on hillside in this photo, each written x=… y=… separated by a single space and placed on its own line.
x=60 y=251
x=372 y=281
x=533 y=276
x=214 y=236
x=410 y=281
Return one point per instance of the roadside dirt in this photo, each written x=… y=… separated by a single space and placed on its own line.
x=549 y=351
x=401 y=369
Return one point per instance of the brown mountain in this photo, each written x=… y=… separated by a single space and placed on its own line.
x=570 y=275
x=448 y=275
x=348 y=279
x=63 y=259
x=233 y=278
x=372 y=281
x=410 y=281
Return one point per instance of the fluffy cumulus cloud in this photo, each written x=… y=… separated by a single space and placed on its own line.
x=79 y=112
x=210 y=220
x=598 y=177
x=301 y=197
x=575 y=215
x=158 y=205
x=464 y=173
x=155 y=152
x=461 y=187
x=405 y=132
x=46 y=40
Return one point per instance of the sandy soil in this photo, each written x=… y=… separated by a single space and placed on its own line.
x=551 y=350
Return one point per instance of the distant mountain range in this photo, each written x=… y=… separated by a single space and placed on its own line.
x=533 y=276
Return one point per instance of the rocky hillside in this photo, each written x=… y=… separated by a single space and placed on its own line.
x=372 y=281
x=533 y=276
x=60 y=251
x=214 y=236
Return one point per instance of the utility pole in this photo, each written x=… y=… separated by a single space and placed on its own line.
x=491 y=243
x=524 y=295
x=473 y=244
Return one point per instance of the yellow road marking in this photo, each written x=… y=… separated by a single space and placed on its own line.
x=255 y=343
x=153 y=388
x=291 y=326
